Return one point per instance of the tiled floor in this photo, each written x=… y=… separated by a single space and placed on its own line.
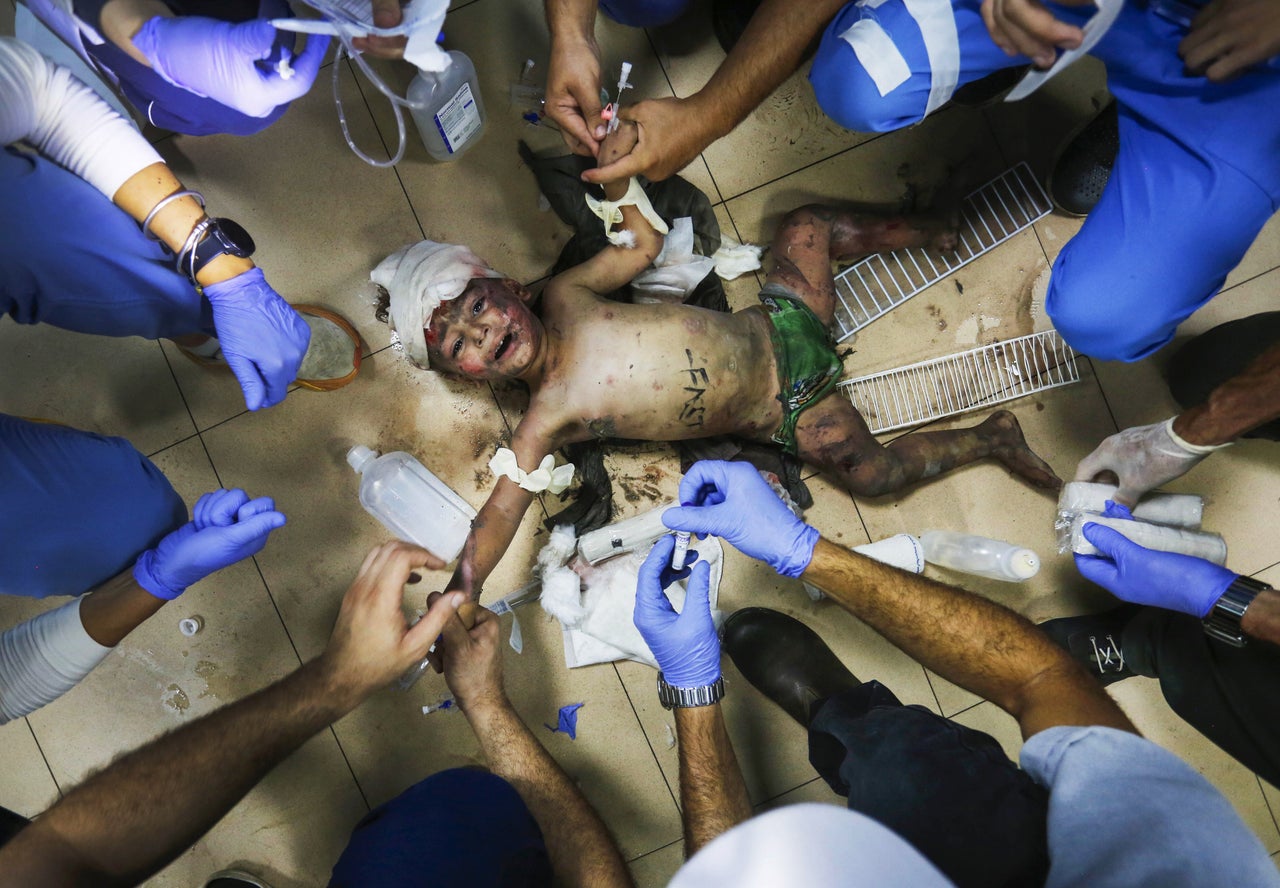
x=323 y=219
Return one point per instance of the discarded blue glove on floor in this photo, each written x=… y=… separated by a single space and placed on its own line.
x=568 y=723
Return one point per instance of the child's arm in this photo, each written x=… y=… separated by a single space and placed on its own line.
x=614 y=266
x=496 y=523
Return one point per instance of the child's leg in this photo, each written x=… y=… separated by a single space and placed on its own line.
x=833 y=437
x=812 y=236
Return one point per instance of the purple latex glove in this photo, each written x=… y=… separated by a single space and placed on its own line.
x=218 y=60
x=686 y=646
x=732 y=501
x=263 y=339
x=1144 y=576
x=228 y=527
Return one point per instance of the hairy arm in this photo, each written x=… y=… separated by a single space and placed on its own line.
x=1262 y=619
x=1240 y=404
x=145 y=809
x=713 y=795
x=581 y=850
x=976 y=643
x=116 y=608
x=675 y=131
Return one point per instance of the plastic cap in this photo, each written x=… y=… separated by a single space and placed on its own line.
x=358 y=457
x=1024 y=564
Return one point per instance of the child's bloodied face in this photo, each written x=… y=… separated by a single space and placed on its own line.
x=488 y=332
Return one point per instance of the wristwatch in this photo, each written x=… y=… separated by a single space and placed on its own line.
x=221 y=236
x=1223 y=621
x=672 y=697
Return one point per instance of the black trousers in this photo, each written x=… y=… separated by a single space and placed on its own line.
x=1229 y=694
x=948 y=790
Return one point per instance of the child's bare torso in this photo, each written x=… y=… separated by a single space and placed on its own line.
x=654 y=372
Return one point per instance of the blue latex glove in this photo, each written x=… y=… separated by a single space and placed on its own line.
x=227 y=527
x=1144 y=576
x=732 y=501
x=686 y=646
x=262 y=337
x=219 y=60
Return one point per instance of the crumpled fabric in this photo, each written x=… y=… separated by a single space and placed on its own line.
x=677 y=270
x=611 y=212
x=547 y=476
x=419 y=277
x=734 y=259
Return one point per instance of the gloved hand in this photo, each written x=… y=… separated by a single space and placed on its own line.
x=686 y=647
x=227 y=527
x=732 y=501
x=262 y=337
x=1143 y=458
x=218 y=60
x=1144 y=576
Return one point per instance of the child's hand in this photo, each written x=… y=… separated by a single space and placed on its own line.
x=619 y=143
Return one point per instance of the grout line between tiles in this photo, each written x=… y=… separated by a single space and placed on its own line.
x=1262 y=789
x=653 y=47
x=759 y=806
x=929 y=681
x=360 y=789
x=668 y=845
x=653 y=752
x=181 y=394
x=43 y=757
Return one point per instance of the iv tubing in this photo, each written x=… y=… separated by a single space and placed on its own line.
x=396 y=103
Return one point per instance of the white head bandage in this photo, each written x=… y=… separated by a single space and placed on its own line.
x=419 y=278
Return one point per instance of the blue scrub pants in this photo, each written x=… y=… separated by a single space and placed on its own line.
x=461 y=828
x=644 y=13
x=75 y=508
x=71 y=258
x=1196 y=178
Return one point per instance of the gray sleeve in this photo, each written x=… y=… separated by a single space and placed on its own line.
x=43 y=658
x=1125 y=812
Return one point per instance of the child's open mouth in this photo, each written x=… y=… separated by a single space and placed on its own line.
x=503 y=346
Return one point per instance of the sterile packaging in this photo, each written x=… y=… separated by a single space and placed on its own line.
x=1196 y=543
x=411 y=502
x=1174 y=509
x=624 y=536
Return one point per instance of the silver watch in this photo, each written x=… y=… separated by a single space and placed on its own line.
x=672 y=697
x=1223 y=621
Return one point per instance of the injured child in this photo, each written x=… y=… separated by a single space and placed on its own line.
x=660 y=372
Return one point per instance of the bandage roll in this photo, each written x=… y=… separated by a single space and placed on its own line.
x=1173 y=509
x=1195 y=543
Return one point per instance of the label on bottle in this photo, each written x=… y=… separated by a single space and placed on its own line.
x=458 y=119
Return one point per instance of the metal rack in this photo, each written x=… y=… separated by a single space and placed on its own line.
x=941 y=387
x=989 y=216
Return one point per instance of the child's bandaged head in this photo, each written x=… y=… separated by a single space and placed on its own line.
x=419 y=278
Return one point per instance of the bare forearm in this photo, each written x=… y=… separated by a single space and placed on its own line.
x=1262 y=619
x=581 y=849
x=573 y=20
x=492 y=531
x=1239 y=405
x=713 y=795
x=968 y=640
x=769 y=51
x=122 y=19
x=147 y=808
x=116 y=608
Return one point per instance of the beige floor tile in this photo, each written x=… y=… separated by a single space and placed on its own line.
x=815 y=791
x=657 y=868
x=786 y=132
x=26 y=785
x=321 y=218
x=1240 y=485
x=96 y=383
x=1263 y=256
x=1145 y=705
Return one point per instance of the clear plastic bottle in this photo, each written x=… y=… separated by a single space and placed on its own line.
x=452 y=117
x=411 y=502
x=979 y=556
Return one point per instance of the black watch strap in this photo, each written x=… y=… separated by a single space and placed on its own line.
x=1223 y=621
x=222 y=236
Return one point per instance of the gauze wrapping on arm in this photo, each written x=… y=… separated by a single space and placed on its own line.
x=43 y=658
x=45 y=106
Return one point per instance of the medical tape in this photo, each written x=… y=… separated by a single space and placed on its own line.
x=611 y=212
x=878 y=54
x=548 y=476
x=937 y=24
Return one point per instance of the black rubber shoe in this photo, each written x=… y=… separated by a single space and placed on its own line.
x=784 y=659
x=1084 y=166
x=1096 y=640
x=729 y=19
x=989 y=89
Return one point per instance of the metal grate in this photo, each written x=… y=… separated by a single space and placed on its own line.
x=988 y=217
x=991 y=374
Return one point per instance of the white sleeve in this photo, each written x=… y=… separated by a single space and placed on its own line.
x=43 y=658
x=44 y=105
